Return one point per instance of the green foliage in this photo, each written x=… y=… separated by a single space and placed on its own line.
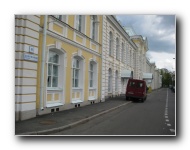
x=166 y=79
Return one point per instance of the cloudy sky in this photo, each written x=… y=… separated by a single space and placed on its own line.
x=160 y=31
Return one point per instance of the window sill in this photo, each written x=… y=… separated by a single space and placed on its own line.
x=91 y=98
x=92 y=88
x=77 y=88
x=76 y=101
x=54 y=89
x=54 y=104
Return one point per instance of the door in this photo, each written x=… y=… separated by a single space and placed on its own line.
x=140 y=89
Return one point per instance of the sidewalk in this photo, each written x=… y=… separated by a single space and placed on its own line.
x=58 y=121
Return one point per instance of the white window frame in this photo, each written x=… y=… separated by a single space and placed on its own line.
x=60 y=89
x=61 y=17
x=110 y=43
x=76 y=69
x=126 y=53
x=109 y=80
x=122 y=52
x=81 y=78
x=61 y=68
x=91 y=75
x=94 y=27
x=80 y=23
x=116 y=81
x=52 y=75
x=117 y=48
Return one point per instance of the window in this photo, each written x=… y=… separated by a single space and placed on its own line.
x=91 y=72
x=110 y=43
x=109 y=80
x=79 y=23
x=94 y=28
x=132 y=84
x=117 y=48
x=140 y=85
x=61 y=17
x=122 y=53
x=53 y=68
x=76 y=69
x=116 y=80
x=58 y=17
x=126 y=53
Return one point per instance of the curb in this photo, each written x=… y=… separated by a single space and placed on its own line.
x=58 y=129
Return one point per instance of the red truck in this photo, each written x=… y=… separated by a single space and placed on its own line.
x=136 y=89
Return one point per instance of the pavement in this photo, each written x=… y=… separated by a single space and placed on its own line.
x=63 y=120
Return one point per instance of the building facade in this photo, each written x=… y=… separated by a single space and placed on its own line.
x=118 y=58
x=68 y=61
x=58 y=63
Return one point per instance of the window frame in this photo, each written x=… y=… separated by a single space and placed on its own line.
x=110 y=43
x=117 y=48
x=75 y=70
x=52 y=71
x=62 y=18
x=91 y=75
x=79 y=23
x=122 y=52
x=116 y=81
x=94 y=27
x=109 y=80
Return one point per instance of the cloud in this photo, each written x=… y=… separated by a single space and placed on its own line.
x=159 y=30
x=162 y=60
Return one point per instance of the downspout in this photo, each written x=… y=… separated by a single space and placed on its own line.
x=101 y=64
x=101 y=100
x=43 y=63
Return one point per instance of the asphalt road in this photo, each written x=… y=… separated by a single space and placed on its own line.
x=156 y=116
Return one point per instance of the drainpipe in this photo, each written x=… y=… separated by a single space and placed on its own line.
x=101 y=100
x=43 y=63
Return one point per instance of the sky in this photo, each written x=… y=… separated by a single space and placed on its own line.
x=160 y=31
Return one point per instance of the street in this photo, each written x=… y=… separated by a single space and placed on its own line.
x=156 y=116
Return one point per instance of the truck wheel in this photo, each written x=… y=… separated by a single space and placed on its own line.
x=127 y=98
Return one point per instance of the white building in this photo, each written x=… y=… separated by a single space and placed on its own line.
x=124 y=57
x=118 y=58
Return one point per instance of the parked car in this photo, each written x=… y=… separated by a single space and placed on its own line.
x=136 y=90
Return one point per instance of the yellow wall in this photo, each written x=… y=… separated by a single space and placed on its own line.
x=70 y=49
x=58 y=28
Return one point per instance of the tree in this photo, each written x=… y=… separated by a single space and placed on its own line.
x=166 y=78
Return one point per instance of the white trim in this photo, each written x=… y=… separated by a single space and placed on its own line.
x=54 y=104
x=76 y=101
x=73 y=43
x=61 y=76
x=91 y=98
x=50 y=27
x=81 y=83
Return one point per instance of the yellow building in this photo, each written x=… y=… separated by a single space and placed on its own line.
x=66 y=60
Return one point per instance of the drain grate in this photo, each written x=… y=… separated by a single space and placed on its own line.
x=48 y=122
